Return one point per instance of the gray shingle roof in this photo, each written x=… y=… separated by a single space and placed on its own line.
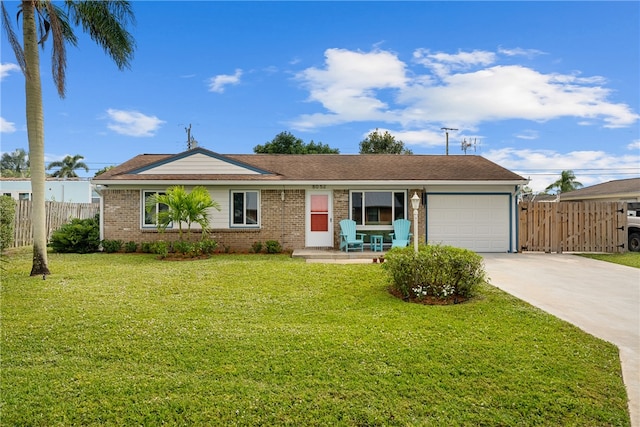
x=618 y=188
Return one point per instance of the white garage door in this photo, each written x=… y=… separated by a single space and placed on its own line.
x=476 y=222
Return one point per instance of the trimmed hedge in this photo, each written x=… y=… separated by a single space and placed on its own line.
x=435 y=271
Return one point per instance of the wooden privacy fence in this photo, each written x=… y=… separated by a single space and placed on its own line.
x=57 y=214
x=572 y=226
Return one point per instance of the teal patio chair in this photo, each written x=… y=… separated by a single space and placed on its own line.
x=401 y=237
x=349 y=237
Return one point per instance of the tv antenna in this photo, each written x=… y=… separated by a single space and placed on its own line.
x=446 y=131
x=191 y=141
x=466 y=145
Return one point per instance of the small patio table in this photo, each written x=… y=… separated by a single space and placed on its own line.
x=375 y=241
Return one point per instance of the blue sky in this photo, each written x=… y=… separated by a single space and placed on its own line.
x=539 y=86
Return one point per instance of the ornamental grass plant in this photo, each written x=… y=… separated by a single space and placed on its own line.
x=127 y=339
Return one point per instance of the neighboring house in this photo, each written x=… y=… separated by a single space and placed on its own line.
x=298 y=200
x=539 y=197
x=620 y=190
x=74 y=190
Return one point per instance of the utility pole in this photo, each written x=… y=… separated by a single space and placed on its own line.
x=446 y=131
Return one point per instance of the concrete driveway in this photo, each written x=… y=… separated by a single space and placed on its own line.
x=600 y=298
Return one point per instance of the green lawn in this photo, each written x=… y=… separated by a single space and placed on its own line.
x=268 y=340
x=631 y=259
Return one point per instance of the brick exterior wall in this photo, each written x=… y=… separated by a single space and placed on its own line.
x=279 y=220
x=340 y=212
x=283 y=221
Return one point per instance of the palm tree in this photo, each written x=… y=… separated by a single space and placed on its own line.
x=68 y=166
x=182 y=207
x=105 y=21
x=567 y=182
x=15 y=164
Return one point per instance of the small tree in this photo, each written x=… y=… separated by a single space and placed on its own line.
x=103 y=170
x=183 y=207
x=375 y=143
x=287 y=143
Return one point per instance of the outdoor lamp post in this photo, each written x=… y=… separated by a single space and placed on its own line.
x=415 y=204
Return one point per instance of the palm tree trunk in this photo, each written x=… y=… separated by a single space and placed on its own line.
x=35 y=133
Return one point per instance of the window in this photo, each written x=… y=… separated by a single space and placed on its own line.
x=150 y=217
x=244 y=205
x=24 y=196
x=377 y=207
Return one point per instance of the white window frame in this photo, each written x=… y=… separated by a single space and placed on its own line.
x=362 y=225
x=244 y=224
x=143 y=219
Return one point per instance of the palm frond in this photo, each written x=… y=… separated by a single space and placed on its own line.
x=105 y=22
x=53 y=17
x=13 y=40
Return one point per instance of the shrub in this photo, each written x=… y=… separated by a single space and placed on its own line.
x=273 y=247
x=111 y=246
x=435 y=271
x=7 y=216
x=130 y=246
x=161 y=248
x=146 y=247
x=207 y=246
x=183 y=247
x=256 y=247
x=79 y=236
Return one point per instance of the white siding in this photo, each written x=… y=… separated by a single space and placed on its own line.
x=220 y=219
x=199 y=164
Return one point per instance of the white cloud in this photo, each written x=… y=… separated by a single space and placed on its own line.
x=544 y=166
x=133 y=123
x=348 y=86
x=218 y=83
x=529 y=53
x=634 y=145
x=461 y=90
x=443 y=63
x=516 y=92
x=6 y=68
x=7 y=126
x=422 y=138
x=527 y=134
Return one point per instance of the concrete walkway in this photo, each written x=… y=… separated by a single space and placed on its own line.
x=601 y=298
